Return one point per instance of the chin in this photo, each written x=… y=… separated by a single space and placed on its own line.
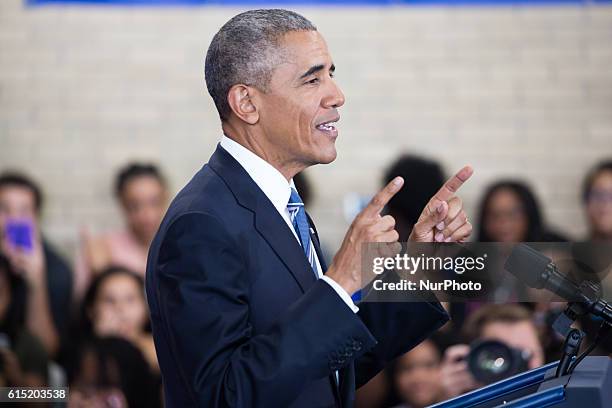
x=328 y=157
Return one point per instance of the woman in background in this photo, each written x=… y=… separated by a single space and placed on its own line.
x=597 y=199
x=509 y=212
x=416 y=376
x=597 y=202
x=115 y=305
x=142 y=192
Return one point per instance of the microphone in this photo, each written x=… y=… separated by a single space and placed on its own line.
x=539 y=272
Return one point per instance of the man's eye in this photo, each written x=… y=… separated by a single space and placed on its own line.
x=313 y=81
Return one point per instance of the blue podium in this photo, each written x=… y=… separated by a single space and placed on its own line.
x=589 y=386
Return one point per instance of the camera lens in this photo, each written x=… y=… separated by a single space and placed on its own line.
x=491 y=361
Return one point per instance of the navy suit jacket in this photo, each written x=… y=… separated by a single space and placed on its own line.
x=239 y=319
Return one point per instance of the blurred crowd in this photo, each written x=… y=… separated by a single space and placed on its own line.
x=85 y=323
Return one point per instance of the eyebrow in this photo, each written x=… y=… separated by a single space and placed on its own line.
x=317 y=68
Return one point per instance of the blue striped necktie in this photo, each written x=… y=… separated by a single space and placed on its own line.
x=298 y=218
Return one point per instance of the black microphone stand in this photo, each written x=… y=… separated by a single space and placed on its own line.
x=570 y=351
x=574 y=337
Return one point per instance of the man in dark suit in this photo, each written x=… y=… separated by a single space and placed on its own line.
x=245 y=312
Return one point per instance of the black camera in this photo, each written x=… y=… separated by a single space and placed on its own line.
x=491 y=360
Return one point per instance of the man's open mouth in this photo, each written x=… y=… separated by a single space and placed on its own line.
x=330 y=125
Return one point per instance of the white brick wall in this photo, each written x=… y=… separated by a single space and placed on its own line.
x=514 y=91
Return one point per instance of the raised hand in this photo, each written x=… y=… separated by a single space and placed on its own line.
x=443 y=218
x=368 y=227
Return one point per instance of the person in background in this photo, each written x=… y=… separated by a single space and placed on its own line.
x=114 y=305
x=23 y=359
x=48 y=277
x=509 y=212
x=597 y=199
x=597 y=202
x=511 y=324
x=425 y=177
x=112 y=372
x=142 y=192
x=416 y=376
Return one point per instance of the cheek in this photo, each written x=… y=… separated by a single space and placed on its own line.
x=594 y=214
x=132 y=216
x=600 y=209
x=160 y=209
x=300 y=127
x=305 y=116
x=307 y=119
x=150 y=215
x=101 y=311
x=492 y=225
x=522 y=225
x=136 y=312
x=283 y=112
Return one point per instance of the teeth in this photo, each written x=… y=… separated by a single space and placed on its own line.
x=327 y=126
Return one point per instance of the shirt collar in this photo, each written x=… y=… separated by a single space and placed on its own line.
x=267 y=177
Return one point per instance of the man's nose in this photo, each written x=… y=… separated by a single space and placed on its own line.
x=335 y=98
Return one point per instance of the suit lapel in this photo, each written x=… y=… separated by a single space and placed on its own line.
x=276 y=231
x=268 y=221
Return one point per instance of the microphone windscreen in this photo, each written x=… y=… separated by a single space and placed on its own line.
x=528 y=265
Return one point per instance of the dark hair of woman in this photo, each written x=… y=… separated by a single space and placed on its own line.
x=134 y=170
x=536 y=230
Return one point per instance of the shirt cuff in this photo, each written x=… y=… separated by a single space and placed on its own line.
x=341 y=292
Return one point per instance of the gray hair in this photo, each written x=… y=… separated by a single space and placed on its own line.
x=246 y=51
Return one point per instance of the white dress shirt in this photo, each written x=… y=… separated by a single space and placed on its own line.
x=278 y=190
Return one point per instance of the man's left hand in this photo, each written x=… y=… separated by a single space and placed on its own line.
x=443 y=219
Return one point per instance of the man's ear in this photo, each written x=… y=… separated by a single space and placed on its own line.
x=240 y=100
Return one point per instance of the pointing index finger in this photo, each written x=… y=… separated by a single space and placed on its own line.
x=454 y=183
x=381 y=199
